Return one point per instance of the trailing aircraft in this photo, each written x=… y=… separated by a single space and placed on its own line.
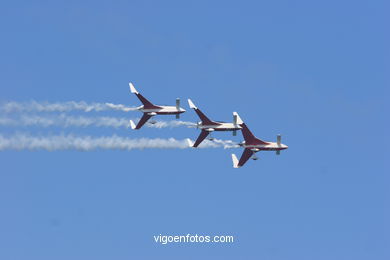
x=253 y=145
x=150 y=109
x=207 y=126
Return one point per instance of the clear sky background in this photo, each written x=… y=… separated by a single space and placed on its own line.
x=314 y=71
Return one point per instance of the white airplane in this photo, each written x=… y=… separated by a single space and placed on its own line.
x=207 y=126
x=150 y=109
x=253 y=145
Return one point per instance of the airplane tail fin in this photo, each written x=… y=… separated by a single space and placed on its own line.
x=205 y=120
x=147 y=104
x=249 y=137
x=235 y=161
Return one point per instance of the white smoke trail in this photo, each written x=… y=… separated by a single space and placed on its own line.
x=61 y=107
x=173 y=123
x=88 y=143
x=64 y=120
x=227 y=144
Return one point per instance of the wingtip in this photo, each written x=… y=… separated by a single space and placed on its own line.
x=235 y=161
x=239 y=120
x=190 y=143
x=132 y=88
x=132 y=125
x=191 y=104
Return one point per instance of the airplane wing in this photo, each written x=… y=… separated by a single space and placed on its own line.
x=245 y=157
x=143 y=120
x=144 y=101
x=202 y=136
x=205 y=120
x=249 y=137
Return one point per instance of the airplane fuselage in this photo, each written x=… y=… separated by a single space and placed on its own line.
x=269 y=146
x=162 y=110
x=220 y=127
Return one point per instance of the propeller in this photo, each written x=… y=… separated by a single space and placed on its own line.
x=177 y=103
x=178 y=107
x=279 y=142
x=234 y=119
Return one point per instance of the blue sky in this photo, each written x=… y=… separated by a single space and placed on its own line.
x=314 y=72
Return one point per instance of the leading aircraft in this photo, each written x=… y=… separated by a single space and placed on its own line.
x=150 y=109
x=209 y=126
x=253 y=145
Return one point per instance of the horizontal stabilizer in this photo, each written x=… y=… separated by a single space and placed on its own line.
x=235 y=161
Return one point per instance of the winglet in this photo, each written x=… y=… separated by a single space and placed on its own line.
x=132 y=88
x=191 y=104
x=235 y=161
x=132 y=125
x=237 y=119
x=189 y=142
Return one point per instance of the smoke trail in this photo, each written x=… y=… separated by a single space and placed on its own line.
x=173 y=123
x=64 y=120
x=227 y=144
x=88 y=143
x=62 y=107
